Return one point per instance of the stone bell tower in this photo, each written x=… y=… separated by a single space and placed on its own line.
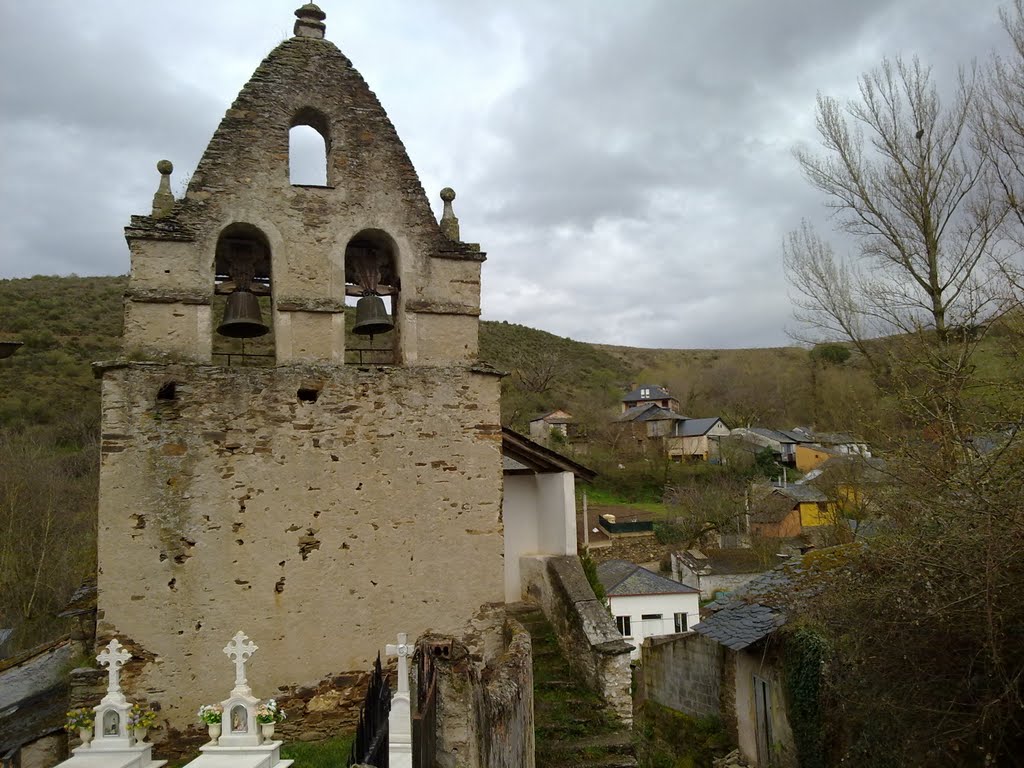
x=316 y=497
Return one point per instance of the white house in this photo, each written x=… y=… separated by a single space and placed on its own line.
x=645 y=604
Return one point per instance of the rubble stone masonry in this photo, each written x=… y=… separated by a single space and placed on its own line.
x=319 y=526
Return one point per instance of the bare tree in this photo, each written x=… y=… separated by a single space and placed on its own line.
x=905 y=179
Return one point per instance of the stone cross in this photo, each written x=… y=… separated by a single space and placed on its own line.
x=402 y=650
x=400 y=718
x=113 y=657
x=239 y=650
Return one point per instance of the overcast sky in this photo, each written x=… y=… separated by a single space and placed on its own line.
x=625 y=164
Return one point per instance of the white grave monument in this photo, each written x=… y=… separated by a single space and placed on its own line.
x=113 y=744
x=400 y=719
x=241 y=744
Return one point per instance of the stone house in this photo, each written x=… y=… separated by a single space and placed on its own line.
x=649 y=394
x=716 y=570
x=320 y=503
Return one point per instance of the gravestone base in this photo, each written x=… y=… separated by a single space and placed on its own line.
x=266 y=755
x=138 y=756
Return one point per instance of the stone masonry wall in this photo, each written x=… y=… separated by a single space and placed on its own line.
x=683 y=672
x=319 y=509
x=584 y=627
x=485 y=705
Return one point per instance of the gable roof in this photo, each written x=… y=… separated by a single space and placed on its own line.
x=801 y=493
x=772 y=434
x=621 y=579
x=521 y=455
x=762 y=605
x=649 y=412
x=698 y=427
x=557 y=416
x=654 y=392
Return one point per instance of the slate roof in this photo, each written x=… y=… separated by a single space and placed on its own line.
x=620 y=579
x=697 y=427
x=772 y=434
x=800 y=492
x=654 y=392
x=649 y=412
x=741 y=624
x=761 y=606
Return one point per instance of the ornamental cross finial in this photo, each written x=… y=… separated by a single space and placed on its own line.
x=239 y=650
x=402 y=650
x=113 y=657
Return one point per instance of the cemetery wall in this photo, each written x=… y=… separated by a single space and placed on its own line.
x=683 y=672
x=319 y=509
x=584 y=627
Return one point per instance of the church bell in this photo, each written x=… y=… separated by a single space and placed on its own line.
x=242 y=318
x=371 y=316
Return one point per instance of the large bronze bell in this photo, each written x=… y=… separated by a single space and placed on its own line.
x=371 y=316
x=242 y=318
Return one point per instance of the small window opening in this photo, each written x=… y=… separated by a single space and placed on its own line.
x=308 y=394
x=307 y=156
x=167 y=391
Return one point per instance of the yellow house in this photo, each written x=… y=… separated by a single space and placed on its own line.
x=790 y=509
x=812 y=455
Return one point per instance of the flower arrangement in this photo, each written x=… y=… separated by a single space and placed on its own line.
x=79 y=718
x=141 y=717
x=269 y=712
x=210 y=713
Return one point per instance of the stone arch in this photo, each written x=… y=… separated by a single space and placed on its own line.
x=309 y=160
x=371 y=268
x=242 y=263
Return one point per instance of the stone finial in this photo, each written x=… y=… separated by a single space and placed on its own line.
x=163 y=200
x=449 y=222
x=310 y=21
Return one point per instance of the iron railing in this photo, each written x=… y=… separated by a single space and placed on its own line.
x=371 y=744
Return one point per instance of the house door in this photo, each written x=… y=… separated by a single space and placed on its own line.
x=763 y=722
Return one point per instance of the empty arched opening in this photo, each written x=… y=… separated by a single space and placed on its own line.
x=243 y=315
x=309 y=147
x=371 y=287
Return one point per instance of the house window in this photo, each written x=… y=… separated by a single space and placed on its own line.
x=647 y=616
x=622 y=622
x=681 y=622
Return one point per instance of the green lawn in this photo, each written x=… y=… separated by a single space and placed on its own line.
x=602 y=497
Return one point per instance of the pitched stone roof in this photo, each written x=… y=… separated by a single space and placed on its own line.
x=650 y=412
x=762 y=605
x=620 y=578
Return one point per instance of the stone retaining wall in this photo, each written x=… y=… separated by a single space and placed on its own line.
x=585 y=629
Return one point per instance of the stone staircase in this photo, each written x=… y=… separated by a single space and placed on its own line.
x=573 y=728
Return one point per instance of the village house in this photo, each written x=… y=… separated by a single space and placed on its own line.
x=544 y=427
x=731 y=667
x=787 y=511
x=650 y=394
x=679 y=437
x=646 y=604
x=712 y=571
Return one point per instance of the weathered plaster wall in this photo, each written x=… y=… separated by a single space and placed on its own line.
x=684 y=672
x=763 y=663
x=319 y=528
x=539 y=513
x=584 y=628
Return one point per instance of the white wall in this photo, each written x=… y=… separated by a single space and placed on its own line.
x=667 y=605
x=539 y=515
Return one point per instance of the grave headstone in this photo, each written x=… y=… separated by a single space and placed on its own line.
x=241 y=744
x=113 y=744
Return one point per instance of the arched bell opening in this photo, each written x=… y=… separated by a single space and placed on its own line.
x=309 y=149
x=243 y=298
x=371 y=296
